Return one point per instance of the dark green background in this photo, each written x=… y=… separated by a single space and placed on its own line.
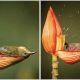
x=19 y=26
x=68 y=14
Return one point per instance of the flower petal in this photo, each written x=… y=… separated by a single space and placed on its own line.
x=69 y=57
x=60 y=42
x=58 y=27
x=7 y=61
x=49 y=34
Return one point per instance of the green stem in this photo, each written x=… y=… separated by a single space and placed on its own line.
x=54 y=67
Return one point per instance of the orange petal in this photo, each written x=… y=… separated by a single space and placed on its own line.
x=60 y=42
x=7 y=61
x=69 y=57
x=58 y=27
x=60 y=37
x=49 y=33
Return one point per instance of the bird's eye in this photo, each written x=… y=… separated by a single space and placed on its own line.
x=24 y=54
x=66 y=45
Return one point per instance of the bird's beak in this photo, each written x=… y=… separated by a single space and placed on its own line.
x=32 y=52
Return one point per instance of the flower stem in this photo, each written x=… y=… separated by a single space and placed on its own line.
x=54 y=67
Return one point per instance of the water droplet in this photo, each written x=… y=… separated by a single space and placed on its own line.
x=67 y=29
x=60 y=14
x=64 y=5
x=78 y=11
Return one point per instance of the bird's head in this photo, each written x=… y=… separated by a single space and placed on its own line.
x=23 y=51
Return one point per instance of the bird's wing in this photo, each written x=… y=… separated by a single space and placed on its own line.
x=8 y=50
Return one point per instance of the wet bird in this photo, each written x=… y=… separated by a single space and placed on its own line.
x=10 y=55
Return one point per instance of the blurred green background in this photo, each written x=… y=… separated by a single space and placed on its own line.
x=68 y=14
x=19 y=27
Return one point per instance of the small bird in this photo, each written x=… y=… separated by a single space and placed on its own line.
x=72 y=46
x=10 y=55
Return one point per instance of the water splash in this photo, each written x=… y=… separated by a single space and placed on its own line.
x=66 y=30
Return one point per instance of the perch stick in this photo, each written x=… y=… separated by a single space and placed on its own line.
x=54 y=67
